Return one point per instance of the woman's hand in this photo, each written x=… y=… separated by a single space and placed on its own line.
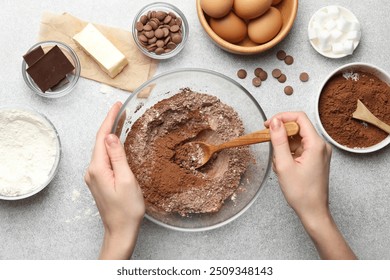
x=302 y=165
x=116 y=192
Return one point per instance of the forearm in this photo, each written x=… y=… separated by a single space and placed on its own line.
x=118 y=246
x=328 y=239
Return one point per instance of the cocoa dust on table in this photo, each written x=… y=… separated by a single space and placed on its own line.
x=154 y=138
x=338 y=101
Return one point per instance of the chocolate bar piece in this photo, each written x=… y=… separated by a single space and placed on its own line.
x=33 y=56
x=50 y=69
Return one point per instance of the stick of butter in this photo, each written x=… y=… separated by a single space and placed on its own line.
x=109 y=58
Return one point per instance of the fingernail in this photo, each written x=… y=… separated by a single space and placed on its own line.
x=111 y=140
x=275 y=124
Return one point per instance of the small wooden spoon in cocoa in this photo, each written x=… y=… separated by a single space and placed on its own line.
x=207 y=150
x=362 y=113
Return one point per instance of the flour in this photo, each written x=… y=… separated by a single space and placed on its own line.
x=28 y=150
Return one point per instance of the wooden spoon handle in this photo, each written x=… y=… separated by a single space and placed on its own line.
x=260 y=136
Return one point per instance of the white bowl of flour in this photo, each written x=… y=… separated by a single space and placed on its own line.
x=30 y=151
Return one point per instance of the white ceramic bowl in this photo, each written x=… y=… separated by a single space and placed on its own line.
x=344 y=12
x=352 y=67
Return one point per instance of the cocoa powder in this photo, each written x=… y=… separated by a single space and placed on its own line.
x=338 y=101
x=155 y=137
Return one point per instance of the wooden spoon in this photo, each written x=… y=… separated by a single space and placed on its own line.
x=207 y=150
x=363 y=114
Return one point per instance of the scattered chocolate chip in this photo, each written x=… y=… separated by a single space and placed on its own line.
x=288 y=90
x=281 y=55
x=276 y=73
x=304 y=77
x=258 y=71
x=282 y=78
x=241 y=74
x=289 y=60
x=263 y=75
x=256 y=82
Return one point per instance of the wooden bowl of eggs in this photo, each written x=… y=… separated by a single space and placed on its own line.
x=247 y=26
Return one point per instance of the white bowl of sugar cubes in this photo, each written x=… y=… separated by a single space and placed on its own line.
x=334 y=31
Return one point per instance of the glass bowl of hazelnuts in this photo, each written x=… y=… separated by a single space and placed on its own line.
x=160 y=30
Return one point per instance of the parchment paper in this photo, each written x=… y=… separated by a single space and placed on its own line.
x=64 y=26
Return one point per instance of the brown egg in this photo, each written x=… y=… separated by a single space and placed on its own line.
x=266 y=27
x=216 y=8
x=230 y=28
x=276 y=2
x=250 y=9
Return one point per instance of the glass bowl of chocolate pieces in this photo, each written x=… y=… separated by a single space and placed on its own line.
x=351 y=102
x=51 y=69
x=159 y=124
x=160 y=30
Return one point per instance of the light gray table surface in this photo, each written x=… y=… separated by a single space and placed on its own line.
x=62 y=222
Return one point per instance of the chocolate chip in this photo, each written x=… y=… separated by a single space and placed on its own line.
x=143 y=38
x=289 y=60
x=276 y=73
x=173 y=16
x=149 y=34
x=148 y=27
x=304 y=77
x=258 y=71
x=175 y=28
x=161 y=15
x=167 y=19
x=144 y=19
x=241 y=74
x=282 y=78
x=153 y=24
x=256 y=82
x=171 y=45
x=139 y=26
x=160 y=43
x=177 y=38
x=178 y=21
x=263 y=75
x=159 y=51
x=288 y=90
x=281 y=55
x=152 y=41
x=159 y=33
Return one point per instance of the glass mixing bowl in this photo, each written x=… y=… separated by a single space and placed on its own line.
x=229 y=92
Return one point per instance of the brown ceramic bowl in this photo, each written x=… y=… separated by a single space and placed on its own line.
x=288 y=9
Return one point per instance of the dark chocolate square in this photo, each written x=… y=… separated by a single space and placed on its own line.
x=34 y=55
x=50 y=69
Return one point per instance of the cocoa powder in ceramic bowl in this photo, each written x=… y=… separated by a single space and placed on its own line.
x=337 y=100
